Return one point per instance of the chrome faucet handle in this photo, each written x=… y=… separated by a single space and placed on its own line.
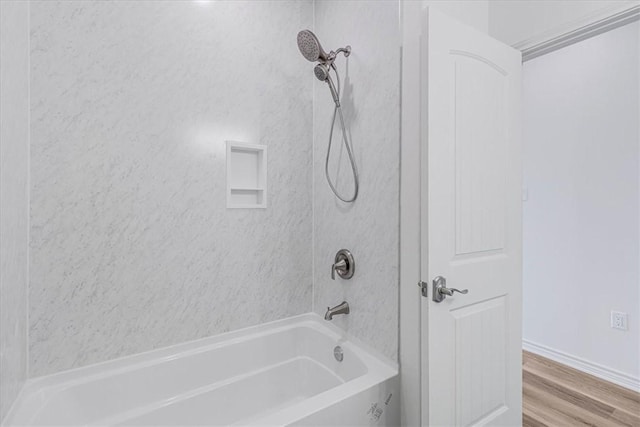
x=343 y=264
x=340 y=265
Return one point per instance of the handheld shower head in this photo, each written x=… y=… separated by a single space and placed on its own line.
x=322 y=73
x=310 y=47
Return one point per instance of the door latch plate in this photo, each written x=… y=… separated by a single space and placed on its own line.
x=424 y=288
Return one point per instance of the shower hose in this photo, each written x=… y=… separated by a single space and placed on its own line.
x=337 y=111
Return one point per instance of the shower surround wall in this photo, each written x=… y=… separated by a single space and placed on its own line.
x=370 y=226
x=132 y=247
x=14 y=198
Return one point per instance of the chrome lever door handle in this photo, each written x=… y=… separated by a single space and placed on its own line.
x=450 y=291
x=440 y=290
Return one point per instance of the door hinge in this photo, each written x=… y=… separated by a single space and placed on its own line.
x=424 y=288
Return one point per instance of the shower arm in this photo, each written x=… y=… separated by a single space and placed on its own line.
x=332 y=55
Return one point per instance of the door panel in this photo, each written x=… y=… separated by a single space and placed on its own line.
x=480 y=359
x=480 y=144
x=471 y=227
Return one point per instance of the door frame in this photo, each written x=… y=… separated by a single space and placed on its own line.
x=412 y=15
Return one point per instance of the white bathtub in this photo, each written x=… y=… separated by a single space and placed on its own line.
x=276 y=374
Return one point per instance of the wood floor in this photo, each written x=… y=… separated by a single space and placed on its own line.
x=556 y=395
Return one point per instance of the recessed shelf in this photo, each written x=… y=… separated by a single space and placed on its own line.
x=246 y=175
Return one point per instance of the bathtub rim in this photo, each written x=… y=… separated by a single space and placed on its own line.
x=36 y=391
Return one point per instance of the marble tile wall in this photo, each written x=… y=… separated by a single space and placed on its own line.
x=132 y=247
x=14 y=198
x=370 y=226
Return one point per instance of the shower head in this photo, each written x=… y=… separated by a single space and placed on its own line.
x=310 y=47
x=312 y=50
x=322 y=73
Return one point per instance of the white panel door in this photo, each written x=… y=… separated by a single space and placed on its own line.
x=470 y=227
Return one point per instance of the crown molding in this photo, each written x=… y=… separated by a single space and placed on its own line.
x=597 y=23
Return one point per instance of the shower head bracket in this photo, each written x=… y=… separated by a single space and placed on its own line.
x=345 y=50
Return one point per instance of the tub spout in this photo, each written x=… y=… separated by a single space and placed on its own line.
x=338 y=309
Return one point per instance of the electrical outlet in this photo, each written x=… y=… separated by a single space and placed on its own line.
x=619 y=320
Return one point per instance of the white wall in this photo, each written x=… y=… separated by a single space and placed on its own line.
x=131 y=103
x=514 y=22
x=474 y=13
x=581 y=151
x=14 y=197
x=368 y=227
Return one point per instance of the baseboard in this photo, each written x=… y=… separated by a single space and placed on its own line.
x=600 y=371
